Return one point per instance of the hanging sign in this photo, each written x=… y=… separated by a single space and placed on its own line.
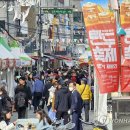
x=57 y=11
x=125 y=44
x=101 y=28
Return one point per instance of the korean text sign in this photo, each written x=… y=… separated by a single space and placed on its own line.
x=125 y=44
x=101 y=29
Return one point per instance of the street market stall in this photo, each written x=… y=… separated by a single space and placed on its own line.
x=7 y=66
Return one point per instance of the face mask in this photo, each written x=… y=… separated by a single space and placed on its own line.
x=70 y=88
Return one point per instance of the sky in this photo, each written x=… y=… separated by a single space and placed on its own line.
x=104 y=3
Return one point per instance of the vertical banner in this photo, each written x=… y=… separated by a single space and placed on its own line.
x=101 y=29
x=125 y=44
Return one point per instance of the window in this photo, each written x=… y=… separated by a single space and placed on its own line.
x=77 y=16
x=2 y=24
x=21 y=28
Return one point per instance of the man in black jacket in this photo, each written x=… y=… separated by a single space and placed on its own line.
x=76 y=107
x=21 y=102
x=48 y=85
x=62 y=103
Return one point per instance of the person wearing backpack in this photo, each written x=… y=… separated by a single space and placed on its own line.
x=22 y=97
x=86 y=94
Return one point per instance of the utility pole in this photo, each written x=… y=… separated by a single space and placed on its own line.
x=40 y=37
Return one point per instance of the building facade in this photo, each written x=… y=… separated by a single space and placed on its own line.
x=49 y=33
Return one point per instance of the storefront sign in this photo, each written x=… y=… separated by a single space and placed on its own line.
x=125 y=44
x=57 y=11
x=101 y=29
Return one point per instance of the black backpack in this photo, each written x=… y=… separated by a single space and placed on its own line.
x=8 y=103
x=20 y=99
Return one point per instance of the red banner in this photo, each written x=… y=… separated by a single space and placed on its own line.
x=125 y=44
x=101 y=30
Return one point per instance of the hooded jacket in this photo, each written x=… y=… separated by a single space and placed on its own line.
x=62 y=100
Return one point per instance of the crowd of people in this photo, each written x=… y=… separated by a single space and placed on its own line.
x=65 y=92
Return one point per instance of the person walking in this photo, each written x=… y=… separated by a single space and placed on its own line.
x=5 y=100
x=86 y=94
x=76 y=107
x=48 y=85
x=37 y=92
x=22 y=98
x=62 y=103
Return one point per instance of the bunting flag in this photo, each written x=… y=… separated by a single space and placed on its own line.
x=101 y=28
x=125 y=44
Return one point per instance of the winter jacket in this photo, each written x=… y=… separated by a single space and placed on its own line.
x=76 y=102
x=25 y=90
x=85 y=92
x=3 y=103
x=4 y=126
x=46 y=92
x=38 y=86
x=62 y=100
x=30 y=84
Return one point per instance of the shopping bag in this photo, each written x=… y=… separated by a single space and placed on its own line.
x=52 y=115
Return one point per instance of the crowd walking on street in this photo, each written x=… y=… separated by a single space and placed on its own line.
x=66 y=92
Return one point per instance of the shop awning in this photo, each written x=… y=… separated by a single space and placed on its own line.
x=63 y=57
x=24 y=58
x=49 y=57
x=8 y=60
x=5 y=52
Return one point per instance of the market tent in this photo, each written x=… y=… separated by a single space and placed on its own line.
x=24 y=58
x=5 y=52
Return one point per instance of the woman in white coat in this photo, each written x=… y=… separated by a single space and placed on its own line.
x=5 y=121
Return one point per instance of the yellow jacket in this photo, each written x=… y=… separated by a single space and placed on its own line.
x=85 y=91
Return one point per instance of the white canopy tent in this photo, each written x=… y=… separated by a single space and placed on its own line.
x=24 y=58
x=4 y=53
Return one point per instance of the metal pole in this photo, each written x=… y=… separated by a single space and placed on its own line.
x=7 y=15
x=40 y=35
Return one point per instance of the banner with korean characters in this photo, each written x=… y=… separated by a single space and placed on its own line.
x=101 y=30
x=125 y=45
